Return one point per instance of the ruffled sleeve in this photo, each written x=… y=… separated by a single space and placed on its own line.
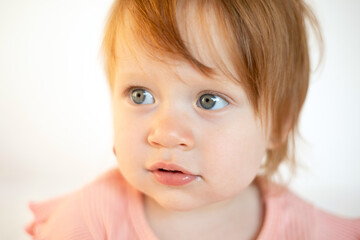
x=59 y=218
x=96 y=211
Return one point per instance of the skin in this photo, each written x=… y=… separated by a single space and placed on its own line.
x=223 y=147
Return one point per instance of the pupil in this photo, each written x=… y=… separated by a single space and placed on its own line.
x=207 y=101
x=138 y=96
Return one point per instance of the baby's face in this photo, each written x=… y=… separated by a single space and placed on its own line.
x=183 y=139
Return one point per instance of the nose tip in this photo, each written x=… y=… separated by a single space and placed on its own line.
x=171 y=133
x=159 y=140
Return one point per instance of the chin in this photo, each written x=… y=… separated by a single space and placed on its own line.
x=180 y=205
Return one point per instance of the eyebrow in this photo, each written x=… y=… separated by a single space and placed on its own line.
x=133 y=75
x=215 y=77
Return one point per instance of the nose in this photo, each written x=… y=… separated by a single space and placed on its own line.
x=171 y=131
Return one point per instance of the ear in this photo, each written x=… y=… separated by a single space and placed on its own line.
x=275 y=140
x=114 y=151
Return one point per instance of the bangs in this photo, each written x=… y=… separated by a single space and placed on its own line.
x=191 y=31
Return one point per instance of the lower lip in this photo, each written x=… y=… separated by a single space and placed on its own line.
x=173 y=178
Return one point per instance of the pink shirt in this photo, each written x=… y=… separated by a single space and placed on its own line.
x=109 y=208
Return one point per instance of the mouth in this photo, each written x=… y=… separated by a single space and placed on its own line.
x=171 y=174
x=171 y=171
x=169 y=167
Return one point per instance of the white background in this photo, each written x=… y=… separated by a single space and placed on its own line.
x=55 y=116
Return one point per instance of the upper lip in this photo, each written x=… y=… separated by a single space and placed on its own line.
x=169 y=167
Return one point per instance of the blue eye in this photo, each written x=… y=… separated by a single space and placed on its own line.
x=141 y=96
x=211 y=102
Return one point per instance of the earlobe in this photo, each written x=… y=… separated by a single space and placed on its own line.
x=272 y=143
x=275 y=142
x=276 y=139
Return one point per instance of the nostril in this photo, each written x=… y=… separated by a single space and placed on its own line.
x=156 y=144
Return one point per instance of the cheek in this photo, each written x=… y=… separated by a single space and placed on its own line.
x=129 y=140
x=128 y=127
x=234 y=154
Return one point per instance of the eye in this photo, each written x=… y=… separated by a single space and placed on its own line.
x=141 y=96
x=211 y=102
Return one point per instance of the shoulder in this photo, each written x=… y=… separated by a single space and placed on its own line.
x=329 y=226
x=84 y=214
x=107 y=187
x=291 y=217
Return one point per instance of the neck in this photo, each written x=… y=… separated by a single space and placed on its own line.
x=236 y=218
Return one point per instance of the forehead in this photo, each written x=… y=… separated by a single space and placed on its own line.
x=198 y=35
x=141 y=67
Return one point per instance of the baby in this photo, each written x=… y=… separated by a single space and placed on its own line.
x=206 y=99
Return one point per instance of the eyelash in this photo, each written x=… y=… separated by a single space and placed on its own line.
x=226 y=98
x=129 y=89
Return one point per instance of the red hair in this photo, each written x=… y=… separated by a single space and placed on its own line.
x=265 y=41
